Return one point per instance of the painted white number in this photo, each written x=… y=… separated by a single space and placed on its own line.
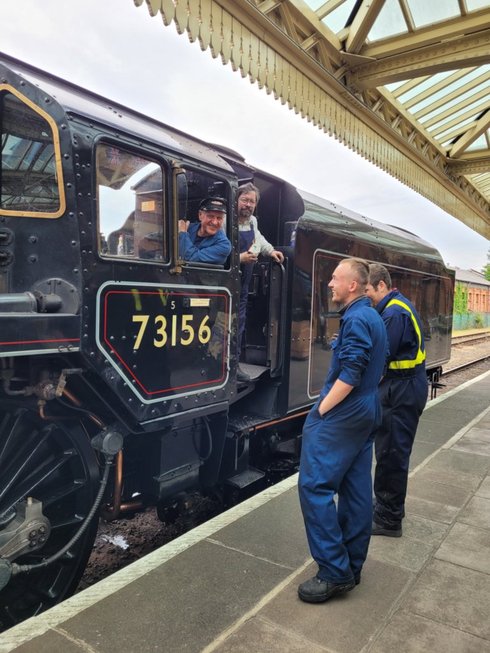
x=204 y=331
x=187 y=327
x=143 y=319
x=161 y=331
x=181 y=330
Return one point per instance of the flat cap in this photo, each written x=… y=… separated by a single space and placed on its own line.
x=213 y=204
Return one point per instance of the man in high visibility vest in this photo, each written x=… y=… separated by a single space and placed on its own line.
x=403 y=393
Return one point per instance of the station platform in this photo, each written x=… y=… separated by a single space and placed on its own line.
x=230 y=585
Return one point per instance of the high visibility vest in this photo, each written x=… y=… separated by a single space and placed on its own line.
x=420 y=358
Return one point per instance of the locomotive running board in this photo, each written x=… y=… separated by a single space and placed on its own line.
x=246 y=478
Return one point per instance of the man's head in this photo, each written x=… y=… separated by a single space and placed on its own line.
x=379 y=283
x=349 y=280
x=248 y=197
x=212 y=213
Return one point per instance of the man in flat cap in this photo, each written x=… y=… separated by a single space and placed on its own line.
x=205 y=241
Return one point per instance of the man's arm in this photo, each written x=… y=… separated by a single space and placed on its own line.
x=215 y=251
x=264 y=245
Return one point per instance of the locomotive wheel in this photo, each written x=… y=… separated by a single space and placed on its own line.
x=52 y=462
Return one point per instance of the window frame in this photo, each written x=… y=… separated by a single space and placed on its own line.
x=8 y=88
x=183 y=167
x=163 y=165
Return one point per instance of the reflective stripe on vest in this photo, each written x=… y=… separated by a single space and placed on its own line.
x=420 y=358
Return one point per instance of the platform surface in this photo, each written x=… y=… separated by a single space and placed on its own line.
x=230 y=585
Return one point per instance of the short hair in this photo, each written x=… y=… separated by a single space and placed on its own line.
x=248 y=188
x=360 y=267
x=377 y=273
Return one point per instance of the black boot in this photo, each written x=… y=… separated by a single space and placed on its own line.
x=379 y=529
x=317 y=590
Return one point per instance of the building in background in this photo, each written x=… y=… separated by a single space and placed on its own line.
x=471 y=300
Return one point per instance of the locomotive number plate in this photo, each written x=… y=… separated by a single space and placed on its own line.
x=165 y=341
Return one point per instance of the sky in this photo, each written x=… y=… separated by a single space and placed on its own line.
x=118 y=50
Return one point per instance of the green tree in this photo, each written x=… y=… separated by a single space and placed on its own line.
x=460 y=299
x=486 y=269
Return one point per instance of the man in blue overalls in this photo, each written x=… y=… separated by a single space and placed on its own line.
x=337 y=441
x=403 y=394
x=251 y=243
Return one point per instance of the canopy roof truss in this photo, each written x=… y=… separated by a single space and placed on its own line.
x=405 y=83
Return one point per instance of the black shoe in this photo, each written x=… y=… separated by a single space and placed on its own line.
x=317 y=590
x=377 y=529
x=242 y=377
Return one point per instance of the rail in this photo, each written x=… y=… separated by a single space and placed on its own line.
x=467 y=338
x=457 y=368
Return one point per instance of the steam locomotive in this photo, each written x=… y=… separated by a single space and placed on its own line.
x=117 y=358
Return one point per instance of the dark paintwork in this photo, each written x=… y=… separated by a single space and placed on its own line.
x=66 y=306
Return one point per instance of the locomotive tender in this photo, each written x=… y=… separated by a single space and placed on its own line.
x=118 y=374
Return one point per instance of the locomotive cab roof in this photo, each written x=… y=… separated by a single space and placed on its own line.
x=79 y=101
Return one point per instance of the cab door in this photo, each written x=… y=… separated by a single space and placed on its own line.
x=157 y=334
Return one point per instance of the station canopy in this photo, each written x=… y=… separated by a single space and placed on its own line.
x=405 y=83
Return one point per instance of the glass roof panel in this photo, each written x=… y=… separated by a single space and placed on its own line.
x=452 y=87
x=389 y=22
x=394 y=85
x=479 y=144
x=337 y=19
x=442 y=135
x=451 y=103
x=314 y=4
x=431 y=81
x=473 y=5
x=477 y=106
x=425 y=13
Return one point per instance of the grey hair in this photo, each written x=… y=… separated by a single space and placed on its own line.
x=248 y=188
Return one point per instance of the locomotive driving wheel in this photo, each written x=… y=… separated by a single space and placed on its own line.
x=51 y=462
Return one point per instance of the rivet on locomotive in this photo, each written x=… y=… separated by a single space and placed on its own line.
x=118 y=359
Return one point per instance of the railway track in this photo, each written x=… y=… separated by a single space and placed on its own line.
x=472 y=338
x=468 y=351
x=467 y=364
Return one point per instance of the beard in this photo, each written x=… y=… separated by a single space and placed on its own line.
x=245 y=212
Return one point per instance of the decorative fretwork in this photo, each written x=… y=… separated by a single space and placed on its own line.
x=284 y=47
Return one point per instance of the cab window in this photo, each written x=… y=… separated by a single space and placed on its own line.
x=130 y=199
x=194 y=186
x=30 y=165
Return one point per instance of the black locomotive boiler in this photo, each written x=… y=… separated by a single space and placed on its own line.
x=117 y=358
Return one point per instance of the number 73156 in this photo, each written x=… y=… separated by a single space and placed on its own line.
x=179 y=330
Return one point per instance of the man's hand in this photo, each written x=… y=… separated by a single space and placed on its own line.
x=183 y=225
x=277 y=256
x=248 y=257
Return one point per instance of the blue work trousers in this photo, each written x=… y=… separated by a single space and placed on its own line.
x=246 y=238
x=403 y=400
x=336 y=458
x=247 y=271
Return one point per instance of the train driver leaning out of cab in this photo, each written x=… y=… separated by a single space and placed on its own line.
x=403 y=393
x=251 y=243
x=337 y=444
x=205 y=241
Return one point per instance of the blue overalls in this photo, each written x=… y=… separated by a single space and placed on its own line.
x=245 y=240
x=403 y=395
x=336 y=451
